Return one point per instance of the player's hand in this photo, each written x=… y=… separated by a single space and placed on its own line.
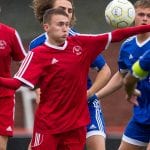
x=132 y=98
x=92 y=98
x=29 y=146
x=38 y=93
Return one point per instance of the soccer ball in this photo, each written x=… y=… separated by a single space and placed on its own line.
x=120 y=13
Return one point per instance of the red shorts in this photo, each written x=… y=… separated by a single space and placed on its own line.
x=71 y=140
x=7 y=109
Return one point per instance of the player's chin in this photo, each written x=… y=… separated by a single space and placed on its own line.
x=63 y=38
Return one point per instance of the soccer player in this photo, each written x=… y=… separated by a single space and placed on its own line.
x=95 y=130
x=137 y=133
x=60 y=67
x=140 y=70
x=10 y=48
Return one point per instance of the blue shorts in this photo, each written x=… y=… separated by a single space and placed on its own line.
x=96 y=126
x=136 y=133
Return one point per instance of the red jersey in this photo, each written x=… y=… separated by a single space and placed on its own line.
x=10 y=48
x=61 y=73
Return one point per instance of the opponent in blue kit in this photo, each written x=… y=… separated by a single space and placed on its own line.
x=138 y=129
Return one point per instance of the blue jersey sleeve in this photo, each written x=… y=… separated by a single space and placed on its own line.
x=144 y=61
x=124 y=62
x=37 y=41
x=98 y=63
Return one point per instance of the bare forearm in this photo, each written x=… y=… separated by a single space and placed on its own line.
x=130 y=84
x=100 y=81
x=113 y=85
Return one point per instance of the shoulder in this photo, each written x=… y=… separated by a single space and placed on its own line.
x=38 y=41
x=6 y=28
x=39 y=48
x=128 y=43
x=129 y=40
x=72 y=32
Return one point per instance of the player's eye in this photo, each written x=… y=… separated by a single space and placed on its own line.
x=67 y=10
x=148 y=15
x=141 y=14
x=70 y=11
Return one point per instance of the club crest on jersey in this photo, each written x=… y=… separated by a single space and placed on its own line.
x=2 y=44
x=77 y=50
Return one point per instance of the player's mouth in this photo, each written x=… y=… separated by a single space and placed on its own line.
x=144 y=24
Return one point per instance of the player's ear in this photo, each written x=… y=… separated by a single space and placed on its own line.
x=45 y=26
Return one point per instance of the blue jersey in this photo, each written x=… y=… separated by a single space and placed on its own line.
x=97 y=64
x=144 y=61
x=130 y=52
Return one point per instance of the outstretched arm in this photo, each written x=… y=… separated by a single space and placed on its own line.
x=10 y=83
x=121 y=34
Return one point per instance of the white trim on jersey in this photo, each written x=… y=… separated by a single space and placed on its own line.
x=24 y=81
x=24 y=64
x=23 y=68
x=71 y=32
x=20 y=43
x=129 y=39
x=108 y=41
x=95 y=132
x=56 y=47
x=143 y=43
x=38 y=139
x=133 y=141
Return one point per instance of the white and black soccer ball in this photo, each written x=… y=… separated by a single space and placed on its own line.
x=120 y=13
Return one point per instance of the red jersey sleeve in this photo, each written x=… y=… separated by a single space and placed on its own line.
x=30 y=70
x=94 y=44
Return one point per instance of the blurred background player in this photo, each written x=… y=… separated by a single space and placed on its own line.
x=137 y=133
x=95 y=130
x=10 y=48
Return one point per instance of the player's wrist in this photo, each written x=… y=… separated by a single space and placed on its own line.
x=92 y=98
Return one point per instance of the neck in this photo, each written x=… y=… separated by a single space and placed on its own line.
x=143 y=37
x=56 y=43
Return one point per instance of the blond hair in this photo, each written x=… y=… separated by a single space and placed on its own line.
x=142 y=3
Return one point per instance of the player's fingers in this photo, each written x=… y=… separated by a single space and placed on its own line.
x=136 y=92
x=132 y=99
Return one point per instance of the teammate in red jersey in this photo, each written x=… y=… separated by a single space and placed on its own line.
x=10 y=48
x=60 y=68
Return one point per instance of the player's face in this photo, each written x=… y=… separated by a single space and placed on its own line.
x=66 y=5
x=142 y=16
x=57 y=29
